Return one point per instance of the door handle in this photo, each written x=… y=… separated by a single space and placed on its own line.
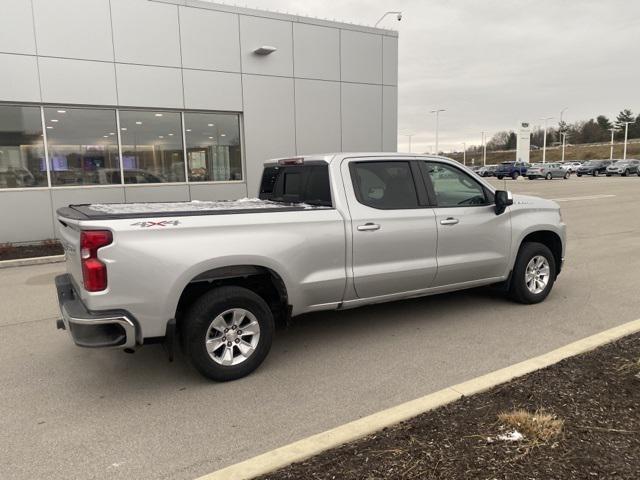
x=449 y=221
x=367 y=227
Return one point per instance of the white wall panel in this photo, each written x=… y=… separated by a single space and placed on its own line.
x=361 y=117
x=74 y=28
x=317 y=116
x=77 y=81
x=212 y=90
x=19 y=78
x=142 y=86
x=25 y=216
x=210 y=40
x=157 y=193
x=16 y=33
x=316 y=52
x=146 y=32
x=268 y=123
x=389 y=119
x=361 y=57
x=221 y=191
x=256 y=32
x=390 y=60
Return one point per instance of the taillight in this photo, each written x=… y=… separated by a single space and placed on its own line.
x=94 y=272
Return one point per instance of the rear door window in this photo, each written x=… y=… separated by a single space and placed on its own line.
x=297 y=184
x=384 y=185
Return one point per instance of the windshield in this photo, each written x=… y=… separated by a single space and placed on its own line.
x=591 y=163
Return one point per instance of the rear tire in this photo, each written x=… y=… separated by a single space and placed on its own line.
x=531 y=177
x=515 y=175
x=578 y=174
x=520 y=290
x=567 y=175
x=548 y=176
x=201 y=336
x=626 y=173
x=499 y=177
x=594 y=173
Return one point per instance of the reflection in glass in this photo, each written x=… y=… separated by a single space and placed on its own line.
x=213 y=147
x=83 y=146
x=22 y=162
x=151 y=146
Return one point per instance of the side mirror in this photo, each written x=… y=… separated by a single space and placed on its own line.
x=503 y=199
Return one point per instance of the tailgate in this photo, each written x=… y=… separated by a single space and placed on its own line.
x=70 y=239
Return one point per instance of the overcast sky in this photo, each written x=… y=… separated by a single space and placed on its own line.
x=491 y=63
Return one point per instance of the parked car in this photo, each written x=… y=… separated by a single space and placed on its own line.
x=488 y=171
x=327 y=233
x=571 y=166
x=511 y=169
x=593 y=167
x=548 y=171
x=624 y=167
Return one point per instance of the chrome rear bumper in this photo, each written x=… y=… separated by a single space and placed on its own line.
x=108 y=329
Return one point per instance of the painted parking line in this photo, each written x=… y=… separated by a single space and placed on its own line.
x=305 y=448
x=587 y=197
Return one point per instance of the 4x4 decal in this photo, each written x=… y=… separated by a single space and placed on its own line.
x=161 y=223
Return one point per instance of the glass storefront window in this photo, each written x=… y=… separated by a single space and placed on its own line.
x=22 y=161
x=151 y=146
x=213 y=147
x=83 y=146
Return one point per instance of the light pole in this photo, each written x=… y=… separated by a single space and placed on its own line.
x=612 y=130
x=564 y=141
x=626 y=134
x=398 y=16
x=562 y=113
x=544 y=140
x=409 y=135
x=437 y=112
x=484 y=150
x=464 y=153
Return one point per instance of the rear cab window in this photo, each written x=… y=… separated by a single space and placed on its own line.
x=307 y=183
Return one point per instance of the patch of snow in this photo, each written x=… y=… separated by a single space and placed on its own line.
x=193 y=206
x=514 y=436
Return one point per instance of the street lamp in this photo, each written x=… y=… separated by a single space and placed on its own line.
x=562 y=112
x=484 y=150
x=437 y=112
x=409 y=135
x=464 y=153
x=544 y=141
x=398 y=16
x=626 y=134
x=612 y=130
x=564 y=141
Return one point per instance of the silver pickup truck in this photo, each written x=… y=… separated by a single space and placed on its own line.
x=327 y=232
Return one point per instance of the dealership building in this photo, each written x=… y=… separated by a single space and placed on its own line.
x=167 y=100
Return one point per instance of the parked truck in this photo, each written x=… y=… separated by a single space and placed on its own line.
x=327 y=232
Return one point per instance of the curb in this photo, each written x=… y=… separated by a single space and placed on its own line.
x=23 y=262
x=310 y=446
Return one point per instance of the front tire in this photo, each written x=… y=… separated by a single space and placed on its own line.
x=594 y=173
x=228 y=333
x=515 y=175
x=533 y=274
x=567 y=175
x=626 y=173
x=548 y=176
x=499 y=177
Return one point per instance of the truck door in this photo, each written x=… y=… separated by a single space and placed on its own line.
x=473 y=242
x=393 y=227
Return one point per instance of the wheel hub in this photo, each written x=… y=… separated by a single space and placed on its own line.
x=537 y=274
x=232 y=336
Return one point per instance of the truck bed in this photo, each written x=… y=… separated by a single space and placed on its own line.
x=114 y=211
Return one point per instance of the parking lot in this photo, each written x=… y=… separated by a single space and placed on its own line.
x=67 y=412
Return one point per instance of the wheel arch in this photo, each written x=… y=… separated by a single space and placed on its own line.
x=548 y=238
x=260 y=279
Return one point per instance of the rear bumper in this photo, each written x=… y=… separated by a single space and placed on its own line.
x=106 y=329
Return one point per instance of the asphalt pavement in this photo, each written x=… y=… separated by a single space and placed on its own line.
x=67 y=412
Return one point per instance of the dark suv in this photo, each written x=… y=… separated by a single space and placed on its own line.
x=511 y=169
x=593 y=167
